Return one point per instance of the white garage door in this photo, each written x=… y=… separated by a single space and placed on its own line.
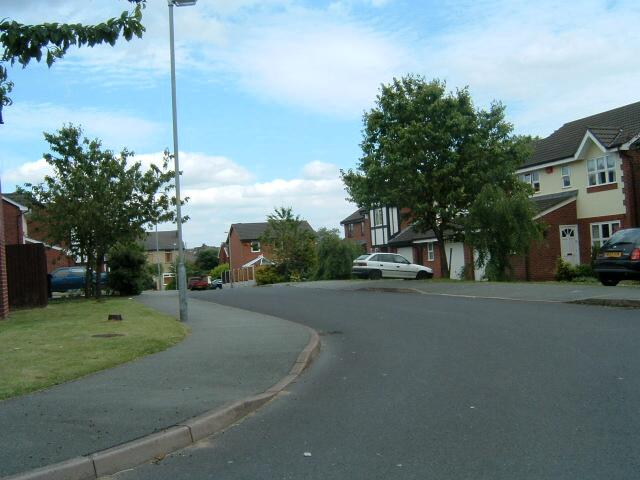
x=406 y=252
x=455 y=257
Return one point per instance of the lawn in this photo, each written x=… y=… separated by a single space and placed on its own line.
x=46 y=346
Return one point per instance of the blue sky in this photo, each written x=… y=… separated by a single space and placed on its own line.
x=271 y=93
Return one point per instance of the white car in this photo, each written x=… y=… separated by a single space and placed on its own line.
x=388 y=265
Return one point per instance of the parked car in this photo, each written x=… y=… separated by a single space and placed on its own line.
x=388 y=265
x=216 y=283
x=619 y=257
x=198 y=283
x=64 y=279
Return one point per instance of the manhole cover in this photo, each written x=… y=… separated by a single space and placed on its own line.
x=108 y=335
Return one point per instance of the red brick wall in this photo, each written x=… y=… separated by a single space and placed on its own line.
x=631 y=189
x=433 y=265
x=13 y=234
x=543 y=256
x=241 y=251
x=361 y=233
x=57 y=259
x=4 y=291
x=584 y=228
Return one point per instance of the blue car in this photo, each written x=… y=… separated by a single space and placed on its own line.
x=72 y=278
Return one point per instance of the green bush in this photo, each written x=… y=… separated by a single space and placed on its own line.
x=565 y=272
x=219 y=270
x=128 y=274
x=584 y=270
x=268 y=274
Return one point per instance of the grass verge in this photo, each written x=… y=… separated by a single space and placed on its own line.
x=46 y=346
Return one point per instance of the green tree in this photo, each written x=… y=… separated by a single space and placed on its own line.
x=96 y=199
x=23 y=43
x=190 y=268
x=128 y=272
x=335 y=255
x=500 y=224
x=219 y=270
x=431 y=152
x=291 y=241
x=207 y=259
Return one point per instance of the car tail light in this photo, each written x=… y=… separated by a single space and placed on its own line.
x=635 y=255
x=360 y=264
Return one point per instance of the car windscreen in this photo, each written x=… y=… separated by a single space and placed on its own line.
x=624 y=236
x=362 y=257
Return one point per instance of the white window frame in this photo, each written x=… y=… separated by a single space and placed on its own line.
x=533 y=179
x=597 y=241
x=376 y=212
x=253 y=250
x=596 y=167
x=565 y=173
x=431 y=253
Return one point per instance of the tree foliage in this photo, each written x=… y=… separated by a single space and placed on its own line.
x=335 y=255
x=219 y=270
x=95 y=199
x=499 y=225
x=128 y=272
x=22 y=43
x=207 y=259
x=291 y=242
x=432 y=152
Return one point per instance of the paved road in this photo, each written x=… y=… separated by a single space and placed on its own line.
x=416 y=386
x=231 y=354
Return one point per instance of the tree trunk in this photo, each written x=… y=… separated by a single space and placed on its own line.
x=444 y=261
x=99 y=263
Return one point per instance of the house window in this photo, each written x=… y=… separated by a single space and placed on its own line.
x=350 y=230
x=601 y=170
x=532 y=179
x=377 y=217
x=255 y=246
x=566 y=176
x=167 y=257
x=600 y=232
x=431 y=254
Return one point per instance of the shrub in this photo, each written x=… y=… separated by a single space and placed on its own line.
x=584 y=270
x=564 y=270
x=268 y=274
x=128 y=274
x=219 y=270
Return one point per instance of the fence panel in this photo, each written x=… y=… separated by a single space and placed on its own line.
x=27 y=275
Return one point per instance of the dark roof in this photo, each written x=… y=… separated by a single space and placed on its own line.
x=355 y=217
x=253 y=231
x=612 y=128
x=408 y=235
x=166 y=240
x=545 y=202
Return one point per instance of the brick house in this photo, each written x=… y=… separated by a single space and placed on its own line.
x=357 y=228
x=586 y=181
x=243 y=247
x=161 y=249
x=20 y=228
x=4 y=289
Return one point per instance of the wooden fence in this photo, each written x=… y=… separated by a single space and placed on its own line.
x=27 y=275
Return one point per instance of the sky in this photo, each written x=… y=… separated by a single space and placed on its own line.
x=271 y=93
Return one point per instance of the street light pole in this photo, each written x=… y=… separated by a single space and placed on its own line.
x=182 y=274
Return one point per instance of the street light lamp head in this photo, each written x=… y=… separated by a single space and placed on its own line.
x=182 y=3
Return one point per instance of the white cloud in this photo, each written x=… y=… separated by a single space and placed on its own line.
x=117 y=129
x=213 y=208
x=30 y=172
x=317 y=170
x=201 y=170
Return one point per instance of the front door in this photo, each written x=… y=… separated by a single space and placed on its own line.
x=569 y=244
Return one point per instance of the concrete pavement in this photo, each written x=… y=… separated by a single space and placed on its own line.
x=231 y=354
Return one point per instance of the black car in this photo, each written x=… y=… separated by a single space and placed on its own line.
x=619 y=257
x=216 y=283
